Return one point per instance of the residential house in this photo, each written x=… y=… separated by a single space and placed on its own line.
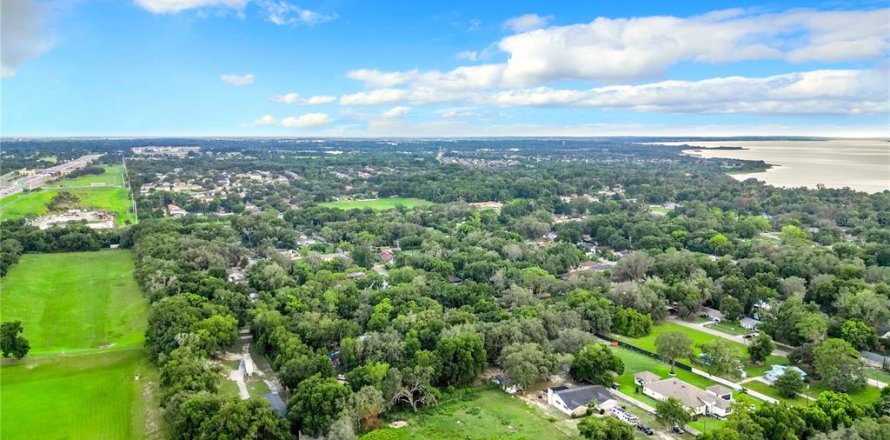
x=575 y=401
x=716 y=400
x=175 y=211
x=505 y=384
x=778 y=370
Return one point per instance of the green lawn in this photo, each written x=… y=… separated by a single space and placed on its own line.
x=92 y=395
x=70 y=386
x=75 y=301
x=730 y=327
x=865 y=395
x=113 y=176
x=481 y=414
x=388 y=203
x=770 y=391
x=32 y=204
x=876 y=374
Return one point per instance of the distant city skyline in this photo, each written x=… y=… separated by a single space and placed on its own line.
x=290 y=68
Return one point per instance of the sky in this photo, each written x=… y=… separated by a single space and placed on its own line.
x=352 y=68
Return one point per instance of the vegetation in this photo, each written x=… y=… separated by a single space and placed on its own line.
x=11 y=342
x=606 y=428
x=379 y=204
x=671 y=412
x=789 y=384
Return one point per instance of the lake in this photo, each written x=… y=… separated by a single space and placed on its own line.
x=863 y=165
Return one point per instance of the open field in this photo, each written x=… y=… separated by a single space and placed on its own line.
x=111 y=196
x=863 y=396
x=75 y=301
x=479 y=414
x=85 y=319
x=92 y=395
x=730 y=327
x=379 y=204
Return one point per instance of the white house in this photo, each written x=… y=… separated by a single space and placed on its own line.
x=505 y=384
x=716 y=400
x=575 y=401
x=778 y=370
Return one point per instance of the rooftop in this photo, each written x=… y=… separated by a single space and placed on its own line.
x=583 y=396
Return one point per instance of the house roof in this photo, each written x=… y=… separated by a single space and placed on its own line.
x=691 y=396
x=718 y=389
x=778 y=370
x=647 y=376
x=583 y=396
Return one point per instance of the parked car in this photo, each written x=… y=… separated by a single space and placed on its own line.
x=645 y=429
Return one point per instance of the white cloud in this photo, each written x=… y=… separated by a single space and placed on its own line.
x=174 y=6
x=281 y=13
x=527 y=22
x=238 y=80
x=397 y=112
x=377 y=79
x=308 y=120
x=380 y=96
x=22 y=34
x=295 y=98
x=265 y=120
x=468 y=55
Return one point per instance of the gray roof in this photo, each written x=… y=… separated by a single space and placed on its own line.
x=718 y=389
x=689 y=395
x=647 y=376
x=584 y=396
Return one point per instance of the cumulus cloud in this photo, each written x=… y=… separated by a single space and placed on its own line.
x=295 y=98
x=174 y=6
x=22 y=34
x=397 y=112
x=265 y=120
x=238 y=80
x=308 y=120
x=621 y=49
x=281 y=13
x=527 y=22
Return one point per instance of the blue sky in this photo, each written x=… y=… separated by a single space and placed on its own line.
x=362 y=68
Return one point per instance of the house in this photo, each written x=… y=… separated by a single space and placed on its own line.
x=716 y=400
x=644 y=377
x=236 y=276
x=505 y=384
x=175 y=210
x=575 y=401
x=749 y=323
x=387 y=257
x=778 y=370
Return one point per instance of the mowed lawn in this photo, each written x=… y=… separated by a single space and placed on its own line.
x=85 y=319
x=75 y=301
x=92 y=395
x=484 y=414
x=113 y=176
x=379 y=204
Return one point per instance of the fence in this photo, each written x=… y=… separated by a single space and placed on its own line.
x=639 y=350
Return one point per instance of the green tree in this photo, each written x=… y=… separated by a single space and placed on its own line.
x=859 y=334
x=760 y=348
x=793 y=235
x=731 y=308
x=461 y=357
x=671 y=412
x=605 y=428
x=789 y=383
x=597 y=364
x=315 y=404
x=719 y=358
x=11 y=343
x=672 y=346
x=526 y=363
x=838 y=363
x=184 y=370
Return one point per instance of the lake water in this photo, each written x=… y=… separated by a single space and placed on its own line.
x=863 y=165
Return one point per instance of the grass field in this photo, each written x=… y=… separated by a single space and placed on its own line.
x=379 y=204
x=110 y=197
x=864 y=396
x=479 y=415
x=75 y=301
x=770 y=391
x=876 y=374
x=85 y=318
x=730 y=327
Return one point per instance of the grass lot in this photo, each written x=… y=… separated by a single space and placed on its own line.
x=110 y=197
x=763 y=388
x=378 y=204
x=479 y=414
x=659 y=209
x=876 y=374
x=730 y=327
x=864 y=396
x=699 y=337
x=75 y=303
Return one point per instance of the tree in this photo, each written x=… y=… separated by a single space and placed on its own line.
x=526 y=363
x=631 y=323
x=793 y=235
x=184 y=370
x=859 y=334
x=838 y=363
x=672 y=346
x=789 y=383
x=632 y=267
x=719 y=358
x=760 y=348
x=596 y=363
x=731 y=308
x=11 y=343
x=315 y=404
x=671 y=412
x=462 y=358
x=366 y=404
x=605 y=428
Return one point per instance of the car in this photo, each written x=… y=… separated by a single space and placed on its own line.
x=645 y=429
x=677 y=429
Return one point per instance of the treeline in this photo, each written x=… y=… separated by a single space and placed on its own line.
x=19 y=237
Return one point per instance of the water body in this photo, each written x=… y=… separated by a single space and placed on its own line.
x=863 y=165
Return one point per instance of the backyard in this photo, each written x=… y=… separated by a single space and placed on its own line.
x=377 y=204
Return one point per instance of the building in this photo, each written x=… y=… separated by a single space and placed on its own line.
x=505 y=384
x=575 y=401
x=175 y=210
x=778 y=370
x=749 y=323
x=715 y=400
